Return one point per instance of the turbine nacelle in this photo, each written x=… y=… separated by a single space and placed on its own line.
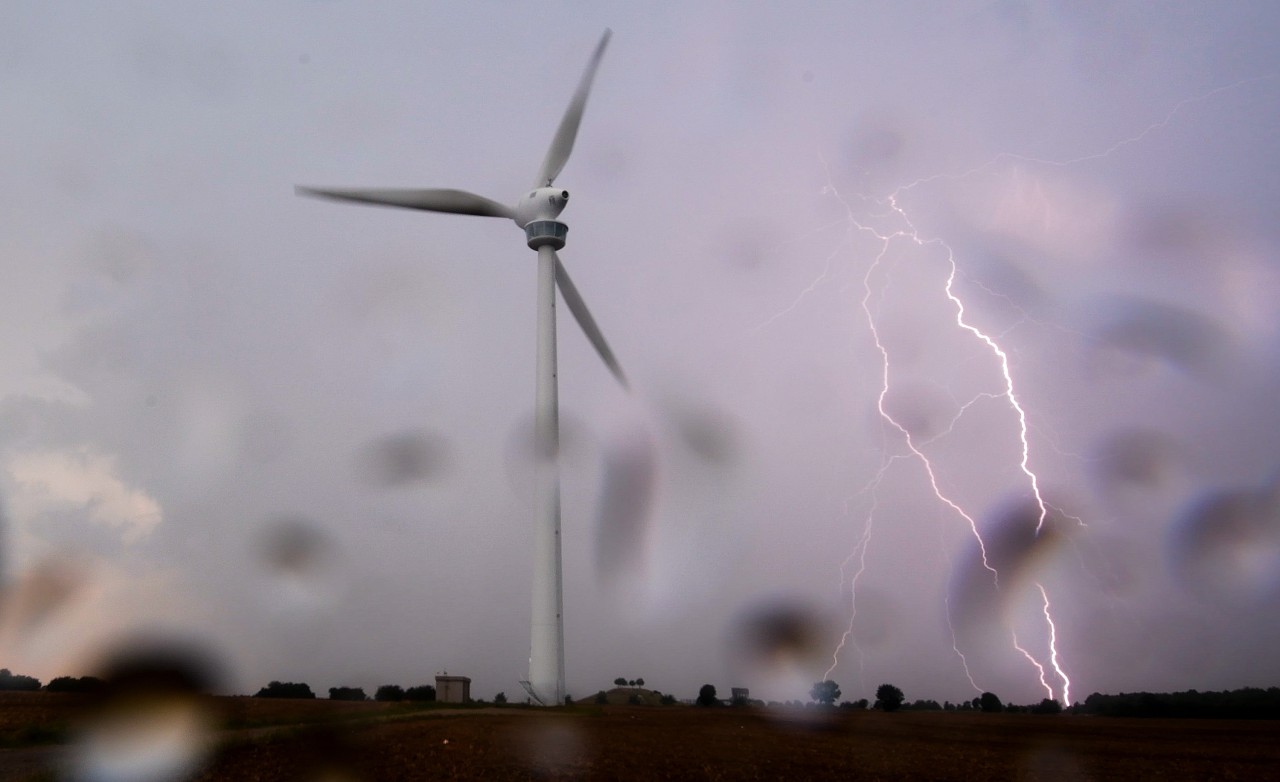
x=543 y=203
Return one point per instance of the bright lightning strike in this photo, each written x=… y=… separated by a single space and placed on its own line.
x=1031 y=658
x=1008 y=394
x=910 y=233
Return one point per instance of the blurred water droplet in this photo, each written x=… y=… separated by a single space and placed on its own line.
x=1142 y=458
x=405 y=458
x=1226 y=546
x=779 y=645
x=521 y=453
x=300 y=559
x=42 y=591
x=626 y=500
x=1016 y=546
x=1147 y=330
x=701 y=429
x=145 y=741
x=924 y=411
x=152 y=722
x=709 y=433
x=554 y=747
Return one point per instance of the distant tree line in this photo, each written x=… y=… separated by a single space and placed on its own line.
x=387 y=692
x=1249 y=703
x=75 y=684
x=285 y=690
x=16 y=681
x=1245 y=703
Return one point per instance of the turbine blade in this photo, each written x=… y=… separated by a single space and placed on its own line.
x=580 y=313
x=562 y=144
x=435 y=200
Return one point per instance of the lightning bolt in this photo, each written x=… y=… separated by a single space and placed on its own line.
x=910 y=233
x=892 y=206
x=1053 y=647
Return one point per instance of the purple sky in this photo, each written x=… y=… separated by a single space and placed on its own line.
x=297 y=431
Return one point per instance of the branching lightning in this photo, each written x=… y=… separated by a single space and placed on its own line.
x=910 y=233
x=1051 y=673
x=907 y=231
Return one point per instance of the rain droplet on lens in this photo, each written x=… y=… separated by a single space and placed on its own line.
x=152 y=720
x=42 y=591
x=405 y=458
x=707 y=431
x=293 y=546
x=1136 y=457
x=1153 y=330
x=301 y=563
x=780 y=632
x=1227 y=545
x=626 y=499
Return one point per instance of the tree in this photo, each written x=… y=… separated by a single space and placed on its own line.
x=347 y=694
x=12 y=681
x=888 y=697
x=825 y=692
x=707 y=696
x=639 y=682
x=668 y=700
x=602 y=698
x=989 y=703
x=1047 y=706
x=620 y=682
x=423 y=692
x=72 y=684
x=285 y=690
x=500 y=698
x=635 y=699
x=389 y=692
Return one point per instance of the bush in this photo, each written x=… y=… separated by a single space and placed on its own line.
x=389 y=692
x=500 y=698
x=707 y=696
x=888 y=697
x=11 y=681
x=72 y=684
x=602 y=698
x=825 y=692
x=423 y=692
x=668 y=700
x=1047 y=707
x=347 y=694
x=285 y=690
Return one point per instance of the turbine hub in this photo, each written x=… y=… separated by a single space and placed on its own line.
x=543 y=203
x=546 y=232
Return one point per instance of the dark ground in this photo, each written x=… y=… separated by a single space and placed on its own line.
x=313 y=740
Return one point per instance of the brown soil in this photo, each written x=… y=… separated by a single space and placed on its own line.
x=385 y=741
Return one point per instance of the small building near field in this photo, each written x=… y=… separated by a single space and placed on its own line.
x=453 y=689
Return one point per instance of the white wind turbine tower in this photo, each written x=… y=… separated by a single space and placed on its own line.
x=536 y=213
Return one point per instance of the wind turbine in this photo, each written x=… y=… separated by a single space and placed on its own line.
x=536 y=213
